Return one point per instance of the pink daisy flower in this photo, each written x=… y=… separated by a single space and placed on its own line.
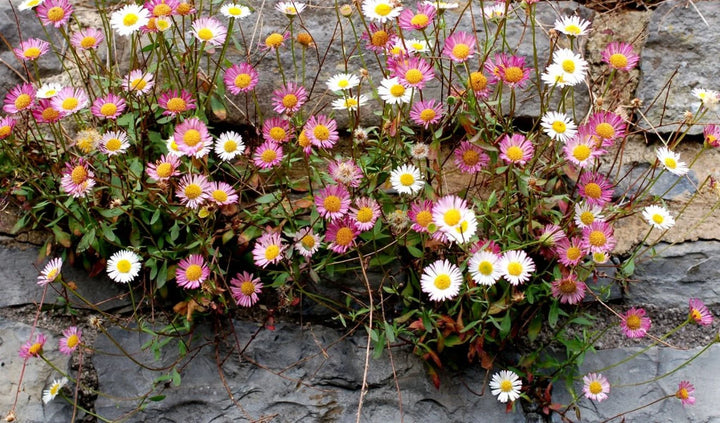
x=164 y=168
x=341 y=234
x=410 y=20
x=289 y=99
x=516 y=149
x=478 y=83
x=426 y=113
x=596 y=387
x=209 y=30
x=459 y=47
x=304 y=142
x=712 y=135
x=268 y=155
x=550 y=235
x=332 y=202
x=684 y=393
x=192 y=138
x=607 y=126
x=193 y=190
x=240 y=78
x=598 y=237
x=345 y=172
x=176 y=103
x=86 y=39
x=108 y=107
x=595 y=188
x=72 y=337
x=620 y=56
x=412 y=72
x=222 y=193
x=570 y=251
x=31 y=49
x=138 y=82
x=44 y=112
x=321 y=131
x=510 y=70
x=191 y=272
x=634 y=323
x=21 y=97
x=50 y=272
x=581 y=150
x=33 y=349
x=77 y=178
x=307 y=242
x=277 y=130
x=379 y=38
x=54 y=12
x=7 y=124
x=159 y=8
x=70 y=100
x=699 y=313
x=420 y=215
x=268 y=249
x=365 y=213
x=470 y=158
x=245 y=288
x=568 y=289
x=274 y=41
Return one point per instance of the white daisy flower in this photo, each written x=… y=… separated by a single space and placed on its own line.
x=600 y=257
x=350 y=103
x=709 y=98
x=494 y=11
x=380 y=10
x=671 y=161
x=463 y=231
x=574 y=66
x=48 y=90
x=417 y=46
x=454 y=218
x=54 y=389
x=123 y=266
x=483 y=267
x=586 y=214
x=229 y=145
x=572 y=25
x=442 y=5
x=343 y=81
x=558 y=126
x=234 y=10
x=506 y=385
x=393 y=92
x=554 y=76
x=658 y=217
x=290 y=8
x=516 y=267
x=29 y=4
x=441 y=280
x=173 y=147
x=406 y=179
x=114 y=142
x=129 y=19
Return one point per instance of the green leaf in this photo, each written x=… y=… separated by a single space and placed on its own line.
x=157 y=398
x=86 y=241
x=61 y=237
x=175 y=377
x=505 y=325
x=554 y=314
x=414 y=251
x=535 y=326
x=267 y=198
x=108 y=233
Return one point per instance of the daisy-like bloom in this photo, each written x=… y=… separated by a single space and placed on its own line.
x=268 y=155
x=240 y=78
x=87 y=140
x=21 y=97
x=307 y=242
x=585 y=214
x=573 y=26
x=417 y=20
x=570 y=251
x=77 y=178
x=7 y=124
x=393 y=92
x=568 y=289
x=607 y=126
x=684 y=393
x=574 y=66
x=419 y=151
x=634 y=323
x=554 y=76
x=581 y=150
x=459 y=47
x=193 y=190
x=235 y=10
x=495 y=11
x=114 y=142
x=44 y=112
x=516 y=149
x=48 y=90
x=277 y=130
x=510 y=70
x=50 y=272
x=454 y=218
x=600 y=257
x=176 y=103
x=441 y=280
x=671 y=161
x=442 y=5
x=129 y=19
x=108 y=107
x=658 y=217
x=86 y=39
x=699 y=312
x=159 y=8
x=29 y=4
x=380 y=10
x=516 y=267
x=558 y=126
x=598 y=237
x=229 y=145
x=379 y=38
x=54 y=389
x=321 y=131
x=333 y=202
x=478 y=83
x=712 y=135
x=620 y=56
x=470 y=158
x=343 y=81
x=708 y=98
x=345 y=172
x=268 y=249
x=421 y=216
x=275 y=40
x=596 y=387
x=138 y=82
x=350 y=103
x=191 y=272
x=484 y=267
x=341 y=234
x=70 y=100
x=72 y=337
x=550 y=235
x=164 y=168
x=245 y=288
x=172 y=147
x=290 y=8
x=595 y=188
x=406 y=179
x=426 y=112
x=365 y=213
x=185 y=8
x=192 y=137
x=54 y=12
x=33 y=349
x=209 y=30
x=506 y=385
x=289 y=99
x=222 y=193
x=413 y=72
x=31 y=49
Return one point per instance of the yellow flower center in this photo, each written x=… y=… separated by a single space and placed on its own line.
x=350 y=102
x=113 y=144
x=308 y=241
x=22 y=101
x=670 y=163
x=243 y=80
x=4 y=131
x=35 y=348
x=364 y=215
x=605 y=130
x=478 y=81
x=277 y=133
x=130 y=19
x=108 y=109
x=452 y=217
x=138 y=84
x=618 y=61
x=406 y=179
x=597 y=238
x=559 y=126
x=595 y=387
x=427 y=115
x=470 y=157
x=234 y=11
x=79 y=175
x=397 y=90
x=658 y=218
x=289 y=101
x=184 y=8
x=682 y=394
x=88 y=41
x=573 y=253
x=413 y=76
x=423 y=218
x=162 y=9
x=581 y=152
x=568 y=286
x=220 y=196
x=593 y=190
x=694 y=314
x=205 y=34
x=633 y=322
x=191 y=137
x=506 y=386
x=514 y=268
x=514 y=153
x=271 y=252
x=420 y=20
x=573 y=29
x=568 y=66
x=321 y=132
x=55 y=14
x=344 y=236
x=230 y=146
x=303 y=140
x=461 y=51
x=164 y=170
x=485 y=267
x=587 y=217
x=72 y=341
x=176 y=105
x=513 y=74
x=124 y=266
x=343 y=83
x=247 y=288
x=383 y=9
x=379 y=38
x=305 y=39
x=193 y=191
x=332 y=203
x=31 y=53
x=52 y=274
x=193 y=272
x=442 y=282
x=50 y=114
x=268 y=156
x=274 y=40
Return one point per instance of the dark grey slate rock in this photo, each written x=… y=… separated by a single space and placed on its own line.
x=679 y=40
x=668 y=186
